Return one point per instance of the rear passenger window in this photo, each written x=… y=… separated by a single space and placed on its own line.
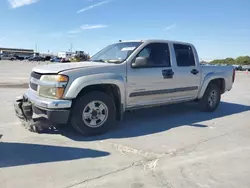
x=184 y=55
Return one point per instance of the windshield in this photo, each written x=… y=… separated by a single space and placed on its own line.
x=116 y=53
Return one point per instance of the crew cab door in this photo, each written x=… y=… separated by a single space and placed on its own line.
x=150 y=84
x=187 y=74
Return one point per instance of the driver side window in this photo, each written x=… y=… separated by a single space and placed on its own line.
x=144 y=53
x=157 y=55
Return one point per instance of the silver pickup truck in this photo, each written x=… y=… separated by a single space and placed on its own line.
x=128 y=75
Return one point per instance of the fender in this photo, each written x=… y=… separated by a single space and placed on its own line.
x=104 y=78
x=208 y=78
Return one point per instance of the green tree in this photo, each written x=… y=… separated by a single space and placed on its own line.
x=243 y=60
x=230 y=61
x=218 y=61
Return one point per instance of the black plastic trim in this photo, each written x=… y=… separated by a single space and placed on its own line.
x=54 y=116
x=36 y=75
x=163 y=91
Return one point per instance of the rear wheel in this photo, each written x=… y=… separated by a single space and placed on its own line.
x=211 y=98
x=93 y=113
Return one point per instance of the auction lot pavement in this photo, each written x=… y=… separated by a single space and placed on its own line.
x=173 y=146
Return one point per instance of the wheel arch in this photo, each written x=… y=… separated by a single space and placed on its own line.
x=112 y=85
x=215 y=79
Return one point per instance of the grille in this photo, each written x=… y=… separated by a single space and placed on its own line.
x=36 y=76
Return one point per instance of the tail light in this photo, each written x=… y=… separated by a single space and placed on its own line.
x=233 y=75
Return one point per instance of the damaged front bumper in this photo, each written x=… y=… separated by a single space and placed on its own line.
x=37 y=113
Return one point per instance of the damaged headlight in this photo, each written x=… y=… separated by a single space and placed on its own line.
x=52 y=86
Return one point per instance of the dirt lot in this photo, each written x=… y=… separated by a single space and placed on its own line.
x=174 y=146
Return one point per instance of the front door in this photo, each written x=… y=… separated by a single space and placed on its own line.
x=151 y=84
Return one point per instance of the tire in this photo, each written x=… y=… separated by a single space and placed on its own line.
x=82 y=116
x=212 y=93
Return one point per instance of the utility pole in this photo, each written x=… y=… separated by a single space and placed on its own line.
x=71 y=47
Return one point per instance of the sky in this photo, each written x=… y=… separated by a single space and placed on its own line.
x=218 y=28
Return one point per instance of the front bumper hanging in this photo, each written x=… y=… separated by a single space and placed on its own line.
x=23 y=110
x=36 y=118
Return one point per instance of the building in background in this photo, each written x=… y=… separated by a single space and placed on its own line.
x=16 y=51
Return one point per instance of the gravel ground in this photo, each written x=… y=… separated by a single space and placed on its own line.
x=174 y=146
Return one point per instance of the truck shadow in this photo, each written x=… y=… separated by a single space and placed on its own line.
x=159 y=119
x=18 y=154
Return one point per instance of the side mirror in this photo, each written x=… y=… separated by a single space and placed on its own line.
x=140 y=62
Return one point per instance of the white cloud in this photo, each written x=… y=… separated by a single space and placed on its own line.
x=20 y=3
x=93 y=6
x=87 y=27
x=75 y=31
x=170 y=27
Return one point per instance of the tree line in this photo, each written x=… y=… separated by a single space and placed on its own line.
x=241 y=60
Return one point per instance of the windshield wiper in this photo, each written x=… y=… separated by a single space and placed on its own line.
x=114 y=61
x=98 y=60
x=107 y=61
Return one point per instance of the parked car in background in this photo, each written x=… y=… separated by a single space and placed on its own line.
x=47 y=58
x=7 y=57
x=21 y=58
x=28 y=57
x=55 y=59
x=237 y=67
x=65 y=60
x=37 y=58
x=246 y=67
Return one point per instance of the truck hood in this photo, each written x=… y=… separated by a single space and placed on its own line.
x=59 y=67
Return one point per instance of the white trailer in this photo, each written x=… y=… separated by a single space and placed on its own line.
x=64 y=54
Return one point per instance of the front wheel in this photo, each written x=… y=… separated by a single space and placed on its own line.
x=93 y=113
x=211 y=98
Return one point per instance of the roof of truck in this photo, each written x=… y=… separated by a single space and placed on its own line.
x=155 y=40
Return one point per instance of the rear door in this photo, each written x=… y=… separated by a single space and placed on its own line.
x=187 y=71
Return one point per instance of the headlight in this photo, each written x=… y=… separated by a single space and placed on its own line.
x=55 y=78
x=53 y=86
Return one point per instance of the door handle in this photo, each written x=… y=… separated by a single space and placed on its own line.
x=167 y=73
x=194 y=71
